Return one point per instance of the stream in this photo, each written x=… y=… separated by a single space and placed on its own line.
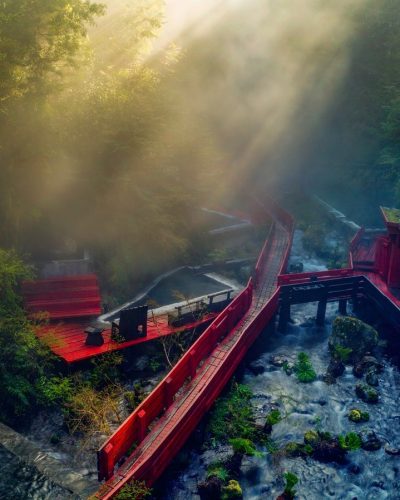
x=365 y=475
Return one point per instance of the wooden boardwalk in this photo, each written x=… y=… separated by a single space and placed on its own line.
x=167 y=434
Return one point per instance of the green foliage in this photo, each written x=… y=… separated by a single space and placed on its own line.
x=244 y=447
x=134 y=397
x=217 y=469
x=303 y=368
x=134 y=490
x=232 y=416
x=105 y=369
x=350 y=441
x=24 y=361
x=342 y=353
x=54 y=390
x=232 y=490
x=290 y=482
x=274 y=417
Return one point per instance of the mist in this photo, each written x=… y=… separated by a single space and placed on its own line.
x=169 y=107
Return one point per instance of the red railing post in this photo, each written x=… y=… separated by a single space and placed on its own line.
x=169 y=395
x=142 y=420
x=192 y=363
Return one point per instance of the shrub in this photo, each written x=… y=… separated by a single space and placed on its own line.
x=218 y=470
x=303 y=368
x=291 y=480
x=135 y=490
x=244 y=447
x=232 y=416
x=351 y=441
x=54 y=390
x=273 y=417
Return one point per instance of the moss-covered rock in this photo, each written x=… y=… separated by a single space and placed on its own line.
x=358 y=416
x=352 y=334
x=311 y=437
x=367 y=393
x=232 y=490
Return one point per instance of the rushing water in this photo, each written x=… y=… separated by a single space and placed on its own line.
x=366 y=475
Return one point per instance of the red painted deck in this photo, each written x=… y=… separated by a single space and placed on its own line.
x=67 y=339
x=164 y=421
x=63 y=297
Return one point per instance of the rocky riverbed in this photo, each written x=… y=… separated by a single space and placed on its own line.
x=370 y=472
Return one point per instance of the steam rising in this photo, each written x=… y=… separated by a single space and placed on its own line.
x=176 y=109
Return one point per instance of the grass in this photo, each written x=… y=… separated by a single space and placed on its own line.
x=232 y=416
x=350 y=442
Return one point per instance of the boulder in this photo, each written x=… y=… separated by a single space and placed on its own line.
x=256 y=367
x=369 y=440
x=210 y=489
x=351 y=333
x=367 y=393
x=367 y=363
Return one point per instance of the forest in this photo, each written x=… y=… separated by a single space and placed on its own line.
x=113 y=134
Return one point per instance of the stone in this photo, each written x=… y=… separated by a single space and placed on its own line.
x=366 y=364
x=355 y=469
x=369 y=440
x=367 y=393
x=278 y=360
x=372 y=378
x=210 y=488
x=351 y=333
x=335 y=368
x=256 y=367
x=392 y=451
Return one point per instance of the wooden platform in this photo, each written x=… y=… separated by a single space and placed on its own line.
x=67 y=339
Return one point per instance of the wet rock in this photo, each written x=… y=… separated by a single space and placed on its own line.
x=311 y=437
x=367 y=364
x=372 y=378
x=221 y=453
x=327 y=449
x=392 y=451
x=378 y=484
x=369 y=440
x=351 y=333
x=256 y=367
x=357 y=416
x=367 y=393
x=355 y=469
x=210 y=489
x=296 y=267
x=278 y=360
x=233 y=465
x=334 y=370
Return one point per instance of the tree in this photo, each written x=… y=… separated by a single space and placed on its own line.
x=23 y=359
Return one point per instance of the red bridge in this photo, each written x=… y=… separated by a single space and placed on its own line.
x=165 y=419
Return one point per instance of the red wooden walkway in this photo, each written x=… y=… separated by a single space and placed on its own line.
x=164 y=421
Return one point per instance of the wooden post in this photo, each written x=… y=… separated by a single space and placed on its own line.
x=343 y=307
x=142 y=417
x=284 y=316
x=321 y=311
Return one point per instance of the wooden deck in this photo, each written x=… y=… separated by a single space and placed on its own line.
x=67 y=339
